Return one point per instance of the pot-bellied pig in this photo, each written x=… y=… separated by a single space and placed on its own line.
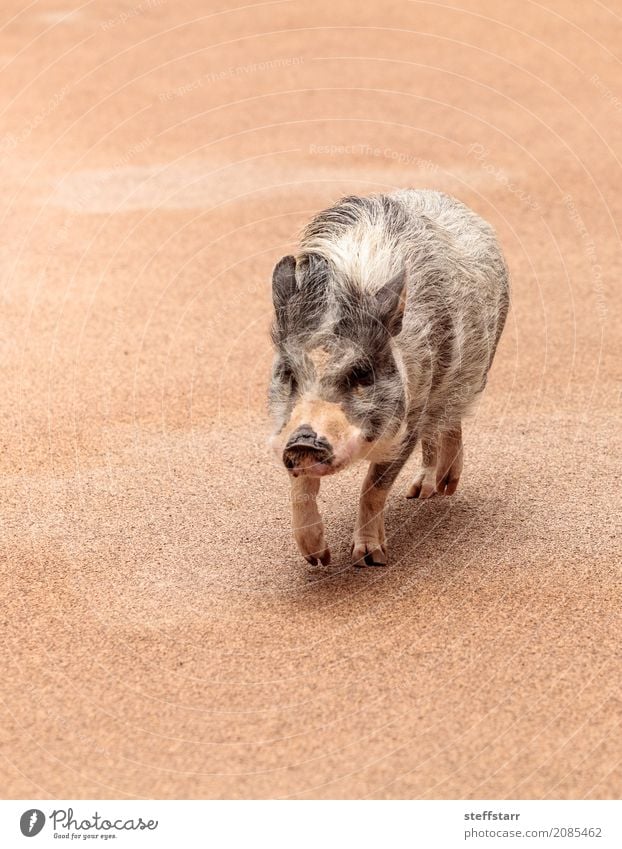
x=386 y=324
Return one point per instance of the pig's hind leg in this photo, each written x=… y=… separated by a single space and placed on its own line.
x=306 y=520
x=440 y=471
x=424 y=483
x=450 y=459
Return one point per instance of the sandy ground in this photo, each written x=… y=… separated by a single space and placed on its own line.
x=161 y=637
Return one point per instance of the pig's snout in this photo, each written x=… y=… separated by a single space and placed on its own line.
x=305 y=449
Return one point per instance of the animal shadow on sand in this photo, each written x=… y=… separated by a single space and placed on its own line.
x=429 y=542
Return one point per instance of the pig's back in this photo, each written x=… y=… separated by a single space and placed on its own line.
x=454 y=261
x=460 y=298
x=468 y=234
x=369 y=239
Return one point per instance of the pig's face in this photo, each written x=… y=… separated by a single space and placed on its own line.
x=337 y=392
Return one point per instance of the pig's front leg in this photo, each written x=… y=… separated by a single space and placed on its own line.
x=306 y=520
x=369 y=545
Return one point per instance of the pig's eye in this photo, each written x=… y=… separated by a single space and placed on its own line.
x=360 y=375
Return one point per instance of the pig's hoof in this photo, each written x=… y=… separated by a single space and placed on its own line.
x=424 y=484
x=313 y=547
x=448 y=484
x=370 y=553
x=323 y=557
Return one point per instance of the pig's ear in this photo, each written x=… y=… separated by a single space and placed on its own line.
x=283 y=283
x=391 y=300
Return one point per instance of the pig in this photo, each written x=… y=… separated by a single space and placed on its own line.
x=385 y=325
